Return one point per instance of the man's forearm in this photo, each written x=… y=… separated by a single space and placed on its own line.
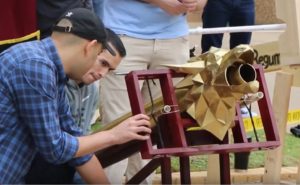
x=92 y=172
x=92 y=143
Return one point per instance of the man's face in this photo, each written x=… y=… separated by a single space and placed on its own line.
x=105 y=62
x=84 y=59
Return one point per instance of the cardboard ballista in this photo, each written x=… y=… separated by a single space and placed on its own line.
x=196 y=115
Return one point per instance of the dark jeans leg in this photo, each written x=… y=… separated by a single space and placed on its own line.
x=216 y=14
x=244 y=15
x=42 y=172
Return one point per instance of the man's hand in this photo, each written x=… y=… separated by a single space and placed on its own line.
x=172 y=7
x=134 y=128
x=175 y=7
x=190 y=5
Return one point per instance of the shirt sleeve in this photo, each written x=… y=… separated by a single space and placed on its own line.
x=68 y=123
x=35 y=87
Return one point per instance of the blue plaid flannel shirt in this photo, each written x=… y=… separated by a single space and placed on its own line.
x=34 y=113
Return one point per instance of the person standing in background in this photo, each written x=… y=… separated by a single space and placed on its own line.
x=222 y=13
x=154 y=33
x=48 y=11
x=98 y=7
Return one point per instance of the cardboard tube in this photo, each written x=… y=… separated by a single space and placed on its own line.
x=238 y=74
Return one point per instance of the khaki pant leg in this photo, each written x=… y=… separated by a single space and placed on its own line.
x=114 y=96
x=141 y=54
x=135 y=164
x=113 y=91
x=171 y=51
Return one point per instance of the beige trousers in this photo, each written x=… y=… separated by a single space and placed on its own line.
x=141 y=55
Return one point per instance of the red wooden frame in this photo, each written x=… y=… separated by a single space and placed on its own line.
x=184 y=144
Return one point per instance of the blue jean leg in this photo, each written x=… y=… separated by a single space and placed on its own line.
x=216 y=14
x=244 y=15
x=220 y=13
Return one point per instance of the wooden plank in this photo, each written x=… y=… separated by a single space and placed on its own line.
x=240 y=179
x=298 y=175
x=289 y=41
x=213 y=169
x=281 y=98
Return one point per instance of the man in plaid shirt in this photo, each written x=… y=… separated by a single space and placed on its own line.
x=34 y=113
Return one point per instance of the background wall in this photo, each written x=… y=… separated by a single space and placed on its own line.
x=266 y=12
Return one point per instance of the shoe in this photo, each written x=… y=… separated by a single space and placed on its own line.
x=297 y=126
x=295 y=131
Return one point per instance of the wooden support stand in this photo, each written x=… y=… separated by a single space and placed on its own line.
x=281 y=101
x=298 y=176
x=289 y=41
x=213 y=169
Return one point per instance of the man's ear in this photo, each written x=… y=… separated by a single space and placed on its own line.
x=91 y=47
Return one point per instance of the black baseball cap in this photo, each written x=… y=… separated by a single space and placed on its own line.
x=85 y=24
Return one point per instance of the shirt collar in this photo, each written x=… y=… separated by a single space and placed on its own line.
x=53 y=56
